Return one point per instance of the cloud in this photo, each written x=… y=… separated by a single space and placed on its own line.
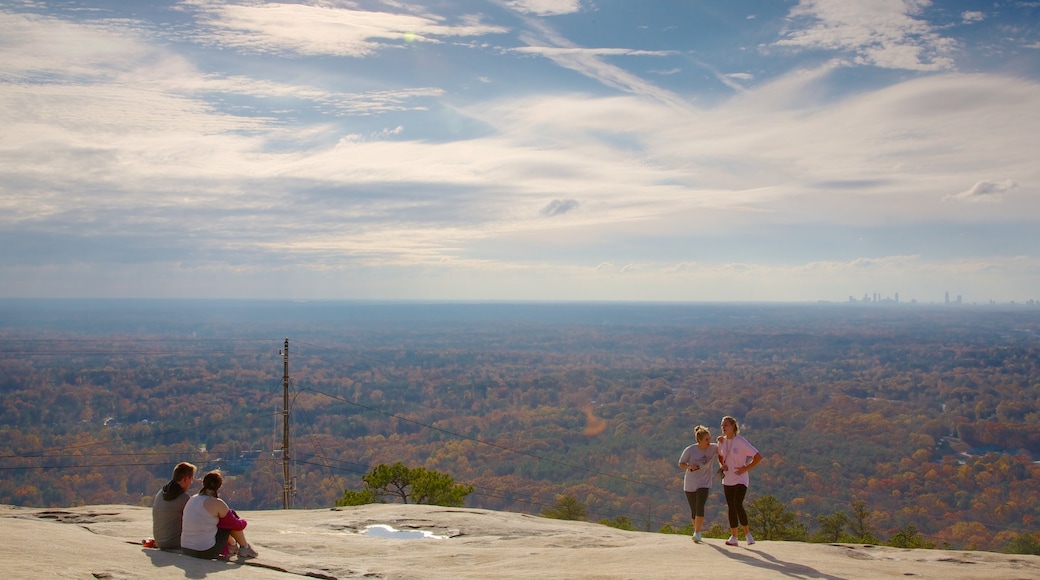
x=984 y=191
x=546 y=7
x=303 y=97
x=544 y=40
x=882 y=33
x=286 y=28
x=970 y=16
x=559 y=207
x=553 y=51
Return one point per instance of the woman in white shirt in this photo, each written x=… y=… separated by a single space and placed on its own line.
x=737 y=457
x=209 y=522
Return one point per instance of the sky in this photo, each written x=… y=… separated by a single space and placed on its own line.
x=546 y=150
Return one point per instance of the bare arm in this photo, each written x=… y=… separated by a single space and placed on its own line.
x=217 y=507
x=754 y=461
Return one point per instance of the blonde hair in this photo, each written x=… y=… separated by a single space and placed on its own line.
x=701 y=432
x=736 y=426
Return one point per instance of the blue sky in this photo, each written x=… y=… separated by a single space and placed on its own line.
x=520 y=150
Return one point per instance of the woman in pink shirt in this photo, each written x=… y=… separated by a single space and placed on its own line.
x=737 y=457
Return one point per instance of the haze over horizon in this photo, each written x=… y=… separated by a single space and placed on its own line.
x=520 y=150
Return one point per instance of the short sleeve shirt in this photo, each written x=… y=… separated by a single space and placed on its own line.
x=736 y=452
x=705 y=459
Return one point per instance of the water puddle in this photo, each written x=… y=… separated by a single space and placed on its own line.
x=385 y=531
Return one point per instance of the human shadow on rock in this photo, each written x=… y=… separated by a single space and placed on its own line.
x=192 y=567
x=761 y=559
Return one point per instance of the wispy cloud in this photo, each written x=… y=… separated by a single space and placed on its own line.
x=544 y=40
x=970 y=16
x=984 y=191
x=559 y=207
x=546 y=7
x=883 y=33
x=320 y=29
x=559 y=52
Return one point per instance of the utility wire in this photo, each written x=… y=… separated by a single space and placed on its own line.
x=41 y=452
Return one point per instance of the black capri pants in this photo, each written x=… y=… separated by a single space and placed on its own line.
x=735 y=502
x=697 y=499
x=219 y=543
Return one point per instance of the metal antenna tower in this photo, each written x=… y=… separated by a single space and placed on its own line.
x=287 y=484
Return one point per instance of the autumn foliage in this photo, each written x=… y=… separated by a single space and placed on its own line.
x=927 y=417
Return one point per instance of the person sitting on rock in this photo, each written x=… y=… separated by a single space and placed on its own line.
x=209 y=524
x=168 y=507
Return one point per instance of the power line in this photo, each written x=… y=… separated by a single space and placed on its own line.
x=41 y=452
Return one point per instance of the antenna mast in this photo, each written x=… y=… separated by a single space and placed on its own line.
x=286 y=476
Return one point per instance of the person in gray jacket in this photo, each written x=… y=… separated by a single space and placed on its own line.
x=168 y=507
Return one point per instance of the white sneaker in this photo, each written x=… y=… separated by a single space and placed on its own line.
x=750 y=539
x=245 y=552
x=697 y=537
x=732 y=541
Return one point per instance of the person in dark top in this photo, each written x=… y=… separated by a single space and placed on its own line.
x=168 y=507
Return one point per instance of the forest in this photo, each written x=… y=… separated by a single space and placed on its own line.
x=926 y=414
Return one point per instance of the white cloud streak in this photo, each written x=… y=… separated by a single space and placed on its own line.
x=883 y=33
x=546 y=7
x=318 y=29
x=985 y=191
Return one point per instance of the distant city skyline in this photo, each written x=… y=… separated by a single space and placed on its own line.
x=947 y=299
x=790 y=150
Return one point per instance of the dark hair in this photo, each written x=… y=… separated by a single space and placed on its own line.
x=183 y=469
x=212 y=482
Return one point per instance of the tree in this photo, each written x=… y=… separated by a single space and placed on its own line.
x=771 y=520
x=715 y=531
x=567 y=508
x=908 y=537
x=832 y=528
x=435 y=488
x=418 y=485
x=620 y=522
x=859 y=528
x=670 y=529
x=351 y=498
x=1024 y=544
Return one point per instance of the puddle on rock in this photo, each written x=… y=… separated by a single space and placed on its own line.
x=385 y=531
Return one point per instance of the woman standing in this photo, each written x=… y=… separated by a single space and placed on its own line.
x=208 y=522
x=737 y=457
x=697 y=461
